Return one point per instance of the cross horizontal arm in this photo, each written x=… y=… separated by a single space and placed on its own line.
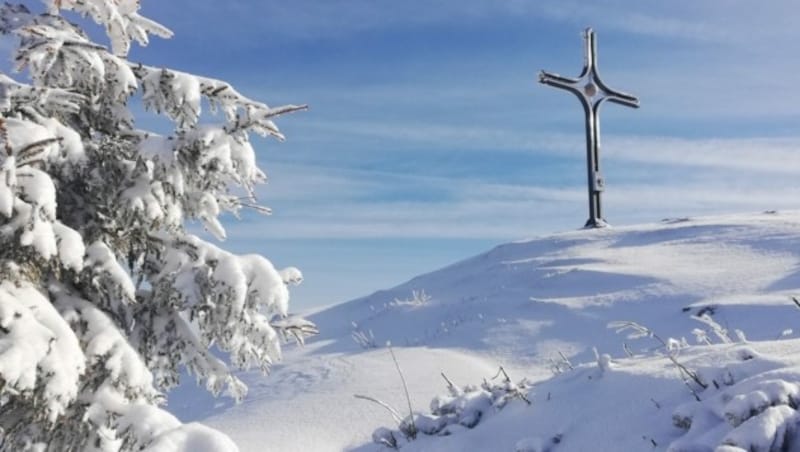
x=550 y=78
x=633 y=103
x=618 y=97
x=558 y=81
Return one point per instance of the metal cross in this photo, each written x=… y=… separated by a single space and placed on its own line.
x=592 y=92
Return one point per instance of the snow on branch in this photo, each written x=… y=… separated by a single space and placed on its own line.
x=15 y=96
x=121 y=20
x=239 y=303
x=104 y=297
x=178 y=94
x=36 y=342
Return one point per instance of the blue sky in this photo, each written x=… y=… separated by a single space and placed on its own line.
x=429 y=139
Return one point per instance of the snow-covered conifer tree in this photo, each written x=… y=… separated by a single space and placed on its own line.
x=104 y=294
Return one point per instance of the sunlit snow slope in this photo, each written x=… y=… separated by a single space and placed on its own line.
x=520 y=305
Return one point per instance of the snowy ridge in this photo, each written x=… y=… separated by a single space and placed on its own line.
x=522 y=305
x=560 y=291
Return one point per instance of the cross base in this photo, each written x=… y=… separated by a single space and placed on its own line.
x=595 y=223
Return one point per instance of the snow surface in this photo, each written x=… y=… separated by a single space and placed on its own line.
x=524 y=304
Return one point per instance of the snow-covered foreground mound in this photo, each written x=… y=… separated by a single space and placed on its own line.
x=523 y=305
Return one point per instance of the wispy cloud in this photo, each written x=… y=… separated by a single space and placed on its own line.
x=758 y=156
x=678 y=19
x=630 y=17
x=333 y=203
x=507 y=219
x=780 y=155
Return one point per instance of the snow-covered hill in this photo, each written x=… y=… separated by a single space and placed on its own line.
x=525 y=304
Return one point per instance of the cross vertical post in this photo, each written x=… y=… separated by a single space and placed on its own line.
x=592 y=92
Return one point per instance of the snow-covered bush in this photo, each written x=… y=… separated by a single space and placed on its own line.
x=418 y=298
x=365 y=339
x=752 y=406
x=461 y=408
x=104 y=295
x=671 y=347
x=749 y=404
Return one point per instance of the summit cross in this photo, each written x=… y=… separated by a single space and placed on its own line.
x=592 y=92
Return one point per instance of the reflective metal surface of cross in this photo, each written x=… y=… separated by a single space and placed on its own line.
x=592 y=92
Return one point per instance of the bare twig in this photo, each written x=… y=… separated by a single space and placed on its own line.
x=449 y=383
x=395 y=415
x=405 y=390
x=688 y=372
x=642 y=331
x=502 y=371
x=627 y=350
x=264 y=210
x=691 y=389
x=566 y=360
x=507 y=379
x=525 y=398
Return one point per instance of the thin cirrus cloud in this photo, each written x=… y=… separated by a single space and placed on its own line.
x=311 y=19
x=509 y=217
x=684 y=184
x=750 y=154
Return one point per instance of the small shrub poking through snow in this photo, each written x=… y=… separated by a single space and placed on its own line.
x=462 y=407
x=603 y=361
x=671 y=346
x=418 y=298
x=365 y=339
